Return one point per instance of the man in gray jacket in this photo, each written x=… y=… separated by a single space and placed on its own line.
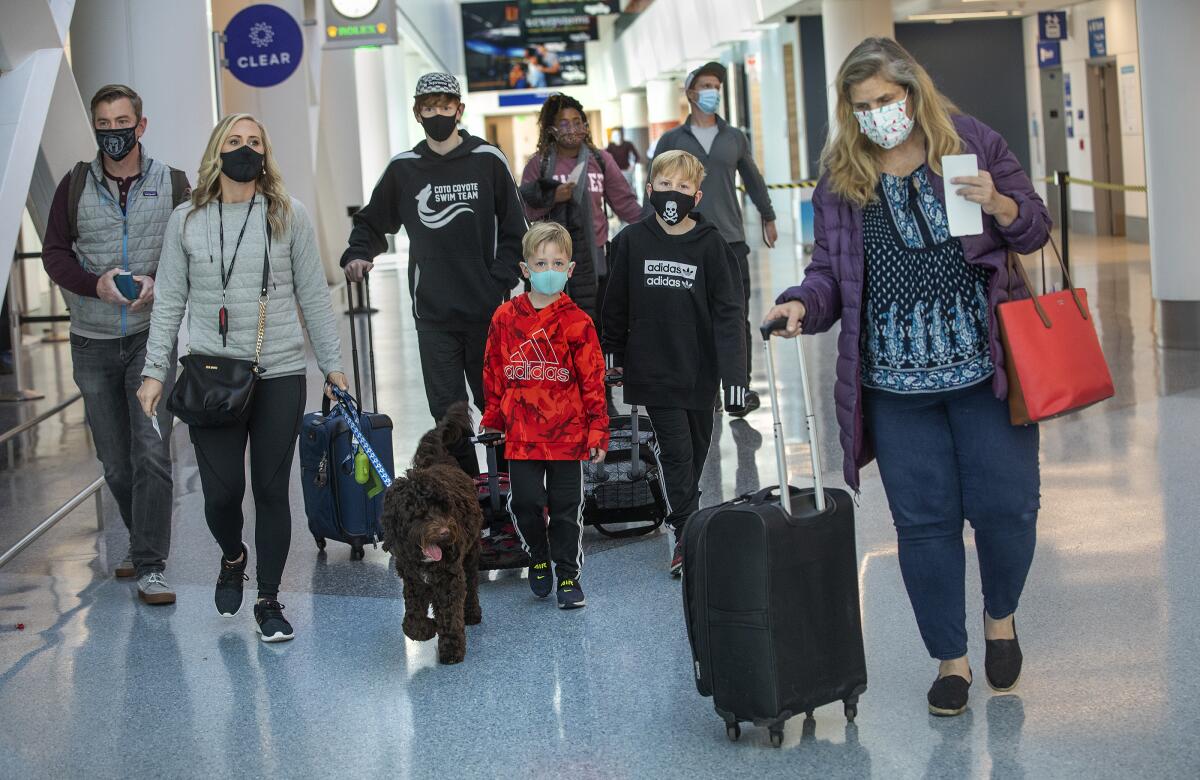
x=102 y=244
x=725 y=152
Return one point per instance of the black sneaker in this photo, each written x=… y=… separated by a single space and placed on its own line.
x=677 y=555
x=570 y=594
x=228 y=596
x=752 y=402
x=540 y=579
x=271 y=623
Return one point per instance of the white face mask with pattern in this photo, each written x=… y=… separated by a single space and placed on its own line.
x=889 y=126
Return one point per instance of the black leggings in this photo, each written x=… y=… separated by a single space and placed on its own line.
x=271 y=428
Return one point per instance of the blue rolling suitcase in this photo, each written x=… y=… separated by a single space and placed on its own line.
x=338 y=506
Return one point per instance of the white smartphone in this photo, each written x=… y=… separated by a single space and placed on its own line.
x=965 y=218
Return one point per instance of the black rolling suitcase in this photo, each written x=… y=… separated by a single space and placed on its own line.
x=770 y=594
x=628 y=487
x=499 y=544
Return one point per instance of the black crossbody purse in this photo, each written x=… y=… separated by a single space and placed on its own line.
x=214 y=391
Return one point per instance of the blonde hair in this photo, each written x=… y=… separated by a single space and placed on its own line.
x=269 y=182
x=851 y=159
x=678 y=160
x=542 y=232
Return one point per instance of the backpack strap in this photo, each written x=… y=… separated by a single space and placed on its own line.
x=75 y=187
x=180 y=189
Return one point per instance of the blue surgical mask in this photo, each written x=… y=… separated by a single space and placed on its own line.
x=707 y=100
x=548 y=282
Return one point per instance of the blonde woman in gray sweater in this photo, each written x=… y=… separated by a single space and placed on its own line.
x=212 y=263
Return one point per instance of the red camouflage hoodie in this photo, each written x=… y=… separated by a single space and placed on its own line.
x=543 y=381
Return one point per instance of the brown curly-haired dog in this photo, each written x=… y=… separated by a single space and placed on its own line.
x=431 y=524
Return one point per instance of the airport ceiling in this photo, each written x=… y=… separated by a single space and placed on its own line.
x=905 y=10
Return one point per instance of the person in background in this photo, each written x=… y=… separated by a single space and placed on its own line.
x=455 y=196
x=673 y=321
x=624 y=154
x=563 y=137
x=239 y=218
x=725 y=152
x=107 y=220
x=920 y=370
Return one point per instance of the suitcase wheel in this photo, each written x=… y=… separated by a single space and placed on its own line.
x=777 y=738
x=851 y=709
x=320 y=540
x=733 y=731
x=357 y=553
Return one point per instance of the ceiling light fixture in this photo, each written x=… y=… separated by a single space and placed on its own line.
x=958 y=16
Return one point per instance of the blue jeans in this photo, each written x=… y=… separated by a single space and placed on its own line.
x=945 y=457
x=137 y=463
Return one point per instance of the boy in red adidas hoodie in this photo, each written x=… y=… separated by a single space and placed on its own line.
x=543 y=382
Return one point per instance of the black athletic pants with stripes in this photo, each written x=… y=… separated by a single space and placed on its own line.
x=557 y=484
x=684 y=436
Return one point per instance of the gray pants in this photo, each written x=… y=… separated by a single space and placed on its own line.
x=137 y=464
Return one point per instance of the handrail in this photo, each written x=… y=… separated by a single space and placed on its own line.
x=59 y=514
x=16 y=431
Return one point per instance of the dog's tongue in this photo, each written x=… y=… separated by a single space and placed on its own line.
x=432 y=552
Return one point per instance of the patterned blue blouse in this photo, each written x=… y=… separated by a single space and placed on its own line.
x=926 y=311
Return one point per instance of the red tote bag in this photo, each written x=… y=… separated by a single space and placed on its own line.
x=1052 y=354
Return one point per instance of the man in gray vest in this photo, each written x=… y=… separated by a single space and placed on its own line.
x=102 y=244
x=725 y=152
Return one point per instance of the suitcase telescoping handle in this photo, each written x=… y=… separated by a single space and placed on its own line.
x=810 y=418
x=490 y=442
x=364 y=300
x=637 y=469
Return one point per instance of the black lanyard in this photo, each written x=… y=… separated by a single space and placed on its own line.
x=223 y=314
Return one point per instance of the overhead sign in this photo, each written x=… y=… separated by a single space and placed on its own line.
x=1097 y=38
x=499 y=54
x=556 y=20
x=263 y=45
x=1049 y=54
x=353 y=23
x=1052 y=25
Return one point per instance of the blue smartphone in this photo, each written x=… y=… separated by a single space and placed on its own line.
x=127 y=286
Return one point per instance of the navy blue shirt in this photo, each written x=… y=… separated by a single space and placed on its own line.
x=925 y=323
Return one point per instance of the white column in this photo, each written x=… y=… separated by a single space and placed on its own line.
x=399 y=101
x=663 y=105
x=163 y=51
x=845 y=23
x=373 y=133
x=1169 y=55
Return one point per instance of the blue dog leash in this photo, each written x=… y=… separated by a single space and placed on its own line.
x=346 y=403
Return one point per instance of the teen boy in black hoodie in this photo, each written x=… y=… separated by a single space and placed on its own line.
x=457 y=199
x=674 y=324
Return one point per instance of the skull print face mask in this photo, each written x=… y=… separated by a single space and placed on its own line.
x=672 y=206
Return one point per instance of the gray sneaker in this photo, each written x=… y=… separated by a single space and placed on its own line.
x=125 y=569
x=153 y=589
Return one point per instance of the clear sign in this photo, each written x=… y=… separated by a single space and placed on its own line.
x=263 y=45
x=1049 y=54
x=1097 y=38
x=1052 y=25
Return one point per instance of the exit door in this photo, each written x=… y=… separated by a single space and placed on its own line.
x=1055 y=137
x=1107 y=160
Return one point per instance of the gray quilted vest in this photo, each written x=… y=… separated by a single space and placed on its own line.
x=109 y=239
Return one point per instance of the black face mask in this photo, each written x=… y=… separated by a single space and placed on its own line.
x=672 y=206
x=117 y=144
x=439 y=127
x=243 y=164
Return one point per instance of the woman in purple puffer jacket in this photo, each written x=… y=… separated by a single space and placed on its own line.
x=920 y=371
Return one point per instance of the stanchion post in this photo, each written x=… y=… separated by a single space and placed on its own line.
x=21 y=393
x=1063 y=179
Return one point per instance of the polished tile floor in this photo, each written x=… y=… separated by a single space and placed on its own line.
x=98 y=685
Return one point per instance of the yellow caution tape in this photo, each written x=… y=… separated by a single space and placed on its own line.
x=1099 y=185
x=794 y=185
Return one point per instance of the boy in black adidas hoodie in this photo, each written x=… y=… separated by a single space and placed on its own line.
x=457 y=199
x=674 y=327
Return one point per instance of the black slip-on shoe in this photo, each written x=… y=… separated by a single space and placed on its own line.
x=570 y=594
x=948 y=695
x=1002 y=662
x=540 y=579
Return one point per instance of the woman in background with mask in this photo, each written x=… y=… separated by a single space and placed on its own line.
x=551 y=191
x=920 y=371
x=239 y=220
